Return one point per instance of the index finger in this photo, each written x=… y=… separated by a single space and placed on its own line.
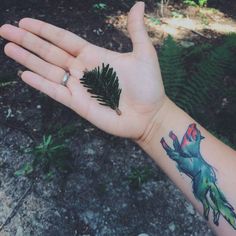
x=64 y=39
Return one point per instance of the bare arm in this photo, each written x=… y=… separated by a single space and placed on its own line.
x=208 y=184
x=207 y=165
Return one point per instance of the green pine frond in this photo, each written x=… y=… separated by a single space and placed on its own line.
x=103 y=83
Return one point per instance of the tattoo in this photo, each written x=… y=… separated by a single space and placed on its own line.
x=190 y=161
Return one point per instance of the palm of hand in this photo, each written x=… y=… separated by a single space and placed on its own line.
x=141 y=96
x=139 y=75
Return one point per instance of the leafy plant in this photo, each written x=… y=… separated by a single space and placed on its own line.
x=199 y=80
x=138 y=176
x=100 y=6
x=47 y=156
x=176 y=14
x=26 y=169
x=154 y=20
x=104 y=85
x=202 y=3
x=195 y=3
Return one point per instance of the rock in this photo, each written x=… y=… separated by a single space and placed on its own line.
x=143 y=234
x=172 y=227
x=186 y=44
x=20 y=231
x=190 y=209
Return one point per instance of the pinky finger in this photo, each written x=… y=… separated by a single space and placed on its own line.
x=56 y=91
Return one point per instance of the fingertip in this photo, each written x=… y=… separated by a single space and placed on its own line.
x=140 y=6
x=28 y=77
x=26 y=74
x=23 y=21
x=4 y=28
x=8 y=47
x=21 y=74
x=27 y=22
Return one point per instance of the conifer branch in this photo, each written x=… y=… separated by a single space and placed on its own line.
x=103 y=83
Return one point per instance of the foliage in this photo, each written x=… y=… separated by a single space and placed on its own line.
x=104 y=85
x=194 y=3
x=153 y=20
x=199 y=80
x=138 y=176
x=47 y=156
x=99 y=6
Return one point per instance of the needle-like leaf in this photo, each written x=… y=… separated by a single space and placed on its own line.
x=103 y=83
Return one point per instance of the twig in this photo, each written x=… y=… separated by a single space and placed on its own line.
x=14 y=210
x=193 y=31
x=196 y=32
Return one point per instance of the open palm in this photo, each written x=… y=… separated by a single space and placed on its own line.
x=138 y=71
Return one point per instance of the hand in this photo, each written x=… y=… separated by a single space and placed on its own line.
x=138 y=71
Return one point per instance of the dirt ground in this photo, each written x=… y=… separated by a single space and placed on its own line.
x=96 y=196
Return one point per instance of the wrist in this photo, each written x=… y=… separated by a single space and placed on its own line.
x=157 y=123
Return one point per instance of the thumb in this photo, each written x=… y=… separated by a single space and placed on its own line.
x=136 y=28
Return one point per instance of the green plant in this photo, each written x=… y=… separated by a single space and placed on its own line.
x=138 y=176
x=47 y=157
x=154 y=20
x=195 y=3
x=199 y=79
x=202 y=3
x=176 y=14
x=99 y=6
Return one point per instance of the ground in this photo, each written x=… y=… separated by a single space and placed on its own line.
x=97 y=196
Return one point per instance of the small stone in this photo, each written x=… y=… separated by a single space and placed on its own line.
x=143 y=234
x=172 y=227
x=190 y=209
x=90 y=151
x=20 y=231
x=187 y=44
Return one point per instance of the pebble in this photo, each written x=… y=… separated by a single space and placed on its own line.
x=172 y=227
x=90 y=151
x=20 y=231
x=190 y=209
x=143 y=234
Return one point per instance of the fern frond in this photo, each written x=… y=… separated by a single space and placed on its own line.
x=201 y=80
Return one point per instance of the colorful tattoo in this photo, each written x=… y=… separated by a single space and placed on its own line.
x=190 y=161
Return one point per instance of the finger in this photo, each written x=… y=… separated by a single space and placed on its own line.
x=64 y=39
x=34 y=63
x=45 y=50
x=136 y=28
x=56 y=91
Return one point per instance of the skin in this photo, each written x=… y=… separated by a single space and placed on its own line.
x=189 y=161
x=138 y=71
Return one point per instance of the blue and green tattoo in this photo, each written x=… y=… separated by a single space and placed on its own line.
x=190 y=161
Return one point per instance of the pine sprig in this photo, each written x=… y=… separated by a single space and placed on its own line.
x=103 y=83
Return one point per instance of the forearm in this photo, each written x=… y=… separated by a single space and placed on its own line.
x=221 y=160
